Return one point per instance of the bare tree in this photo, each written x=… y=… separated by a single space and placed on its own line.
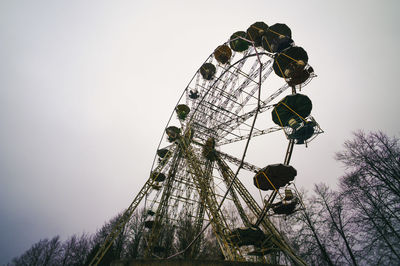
x=185 y=233
x=209 y=247
x=133 y=246
x=116 y=248
x=376 y=158
x=75 y=250
x=337 y=220
x=307 y=233
x=44 y=252
x=52 y=251
x=372 y=186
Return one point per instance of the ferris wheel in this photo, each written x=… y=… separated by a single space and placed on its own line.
x=248 y=88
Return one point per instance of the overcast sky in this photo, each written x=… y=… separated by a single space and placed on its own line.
x=86 y=88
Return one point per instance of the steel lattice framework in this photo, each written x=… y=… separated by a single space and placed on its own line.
x=194 y=175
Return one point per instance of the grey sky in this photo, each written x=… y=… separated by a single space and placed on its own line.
x=86 y=88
